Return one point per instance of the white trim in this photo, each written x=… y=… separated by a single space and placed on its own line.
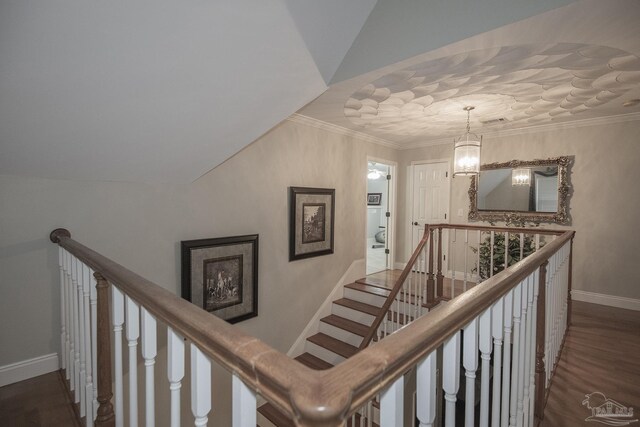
x=340 y=130
x=596 y=121
x=26 y=369
x=399 y=265
x=355 y=271
x=603 y=299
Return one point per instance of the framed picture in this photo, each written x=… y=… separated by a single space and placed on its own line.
x=374 y=199
x=311 y=221
x=221 y=276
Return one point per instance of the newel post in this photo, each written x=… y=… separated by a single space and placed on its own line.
x=439 y=276
x=431 y=291
x=540 y=379
x=106 y=417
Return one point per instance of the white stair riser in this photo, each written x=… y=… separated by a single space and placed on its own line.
x=351 y=314
x=365 y=297
x=323 y=353
x=340 y=334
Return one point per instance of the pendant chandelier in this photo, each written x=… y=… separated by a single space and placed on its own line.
x=466 y=151
x=521 y=177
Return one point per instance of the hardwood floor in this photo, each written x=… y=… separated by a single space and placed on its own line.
x=601 y=354
x=37 y=402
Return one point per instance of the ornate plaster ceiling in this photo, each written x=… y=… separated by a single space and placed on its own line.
x=519 y=85
x=568 y=66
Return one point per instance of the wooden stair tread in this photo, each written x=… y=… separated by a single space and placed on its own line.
x=346 y=324
x=362 y=287
x=358 y=306
x=313 y=362
x=276 y=417
x=377 y=282
x=338 y=347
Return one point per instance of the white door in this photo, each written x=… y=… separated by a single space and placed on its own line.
x=431 y=186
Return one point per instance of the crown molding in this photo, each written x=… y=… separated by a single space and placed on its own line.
x=547 y=127
x=340 y=130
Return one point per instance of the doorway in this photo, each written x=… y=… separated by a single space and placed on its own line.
x=379 y=230
x=430 y=186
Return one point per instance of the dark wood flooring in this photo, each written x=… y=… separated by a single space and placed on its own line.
x=601 y=354
x=37 y=402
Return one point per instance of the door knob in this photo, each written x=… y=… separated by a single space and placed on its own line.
x=416 y=223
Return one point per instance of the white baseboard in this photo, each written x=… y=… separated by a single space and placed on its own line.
x=399 y=265
x=26 y=369
x=603 y=299
x=355 y=271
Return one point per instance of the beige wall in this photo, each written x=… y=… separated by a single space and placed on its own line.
x=604 y=206
x=141 y=226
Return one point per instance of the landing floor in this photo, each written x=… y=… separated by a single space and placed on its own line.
x=387 y=278
x=601 y=354
x=37 y=402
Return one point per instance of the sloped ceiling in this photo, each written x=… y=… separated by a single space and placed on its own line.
x=577 y=62
x=157 y=91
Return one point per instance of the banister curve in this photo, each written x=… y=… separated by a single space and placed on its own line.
x=309 y=397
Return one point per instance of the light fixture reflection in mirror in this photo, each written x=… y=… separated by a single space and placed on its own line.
x=521 y=176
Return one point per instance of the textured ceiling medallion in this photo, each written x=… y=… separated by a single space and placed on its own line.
x=520 y=85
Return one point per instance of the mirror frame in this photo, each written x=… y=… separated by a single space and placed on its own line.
x=521 y=218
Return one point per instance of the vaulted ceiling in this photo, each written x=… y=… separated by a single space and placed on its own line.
x=163 y=91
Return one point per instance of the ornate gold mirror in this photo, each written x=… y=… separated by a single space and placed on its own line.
x=520 y=192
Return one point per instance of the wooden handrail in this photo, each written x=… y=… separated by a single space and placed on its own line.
x=309 y=397
x=396 y=288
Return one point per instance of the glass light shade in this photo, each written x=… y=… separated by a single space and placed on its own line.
x=466 y=155
x=521 y=176
x=374 y=174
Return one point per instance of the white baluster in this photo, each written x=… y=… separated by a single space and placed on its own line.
x=149 y=352
x=244 y=404
x=200 y=386
x=175 y=372
x=81 y=350
x=523 y=350
x=532 y=338
x=133 y=332
x=68 y=310
x=75 y=289
x=517 y=312
x=63 y=320
x=392 y=405
x=470 y=363
x=450 y=377
x=426 y=388
x=93 y=300
x=88 y=390
x=117 y=319
x=521 y=246
x=497 y=326
x=528 y=360
x=484 y=343
x=506 y=351
x=478 y=255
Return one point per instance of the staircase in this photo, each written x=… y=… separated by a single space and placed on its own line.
x=339 y=336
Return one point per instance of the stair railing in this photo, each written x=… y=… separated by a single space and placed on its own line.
x=530 y=298
x=411 y=293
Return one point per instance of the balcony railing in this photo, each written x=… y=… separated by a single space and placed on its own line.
x=516 y=318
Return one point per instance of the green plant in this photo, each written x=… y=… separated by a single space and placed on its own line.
x=528 y=248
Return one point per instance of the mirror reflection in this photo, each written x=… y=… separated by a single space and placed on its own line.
x=522 y=189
